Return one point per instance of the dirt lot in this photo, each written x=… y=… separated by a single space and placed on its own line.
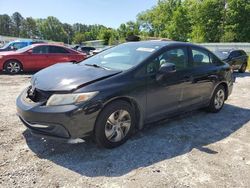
x=197 y=149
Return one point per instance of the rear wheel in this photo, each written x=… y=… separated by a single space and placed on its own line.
x=13 y=67
x=243 y=68
x=115 y=124
x=218 y=99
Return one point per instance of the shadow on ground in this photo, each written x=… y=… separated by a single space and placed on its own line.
x=155 y=143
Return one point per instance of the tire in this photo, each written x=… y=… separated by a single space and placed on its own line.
x=12 y=67
x=217 y=100
x=115 y=124
x=243 y=68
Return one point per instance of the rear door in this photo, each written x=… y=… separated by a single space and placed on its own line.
x=199 y=79
x=58 y=54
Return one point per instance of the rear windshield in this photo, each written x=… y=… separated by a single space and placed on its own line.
x=222 y=54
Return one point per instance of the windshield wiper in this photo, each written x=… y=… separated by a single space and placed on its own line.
x=96 y=66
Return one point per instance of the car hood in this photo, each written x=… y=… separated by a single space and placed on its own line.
x=8 y=52
x=68 y=77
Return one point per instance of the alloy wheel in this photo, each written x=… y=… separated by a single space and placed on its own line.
x=118 y=125
x=219 y=99
x=13 y=67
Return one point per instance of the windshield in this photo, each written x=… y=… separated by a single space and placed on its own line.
x=6 y=45
x=123 y=57
x=24 y=49
x=222 y=54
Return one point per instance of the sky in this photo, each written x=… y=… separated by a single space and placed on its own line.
x=110 y=13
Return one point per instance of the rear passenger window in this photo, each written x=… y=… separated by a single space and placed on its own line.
x=200 y=57
x=57 y=50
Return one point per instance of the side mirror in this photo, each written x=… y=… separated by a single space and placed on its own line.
x=167 y=68
x=29 y=51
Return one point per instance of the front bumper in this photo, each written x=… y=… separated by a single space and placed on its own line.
x=62 y=122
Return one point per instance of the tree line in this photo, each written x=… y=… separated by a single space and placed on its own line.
x=181 y=20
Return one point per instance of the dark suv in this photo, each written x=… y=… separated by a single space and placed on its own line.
x=236 y=58
x=115 y=92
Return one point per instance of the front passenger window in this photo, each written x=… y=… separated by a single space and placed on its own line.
x=40 y=50
x=176 y=56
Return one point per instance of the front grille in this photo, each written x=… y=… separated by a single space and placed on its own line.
x=37 y=95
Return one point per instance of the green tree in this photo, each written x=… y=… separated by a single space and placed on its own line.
x=156 y=21
x=52 y=29
x=69 y=31
x=17 y=21
x=207 y=19
x=128 y=29
x=179 y=27
x=79 y=38
x=29 y=28
x=109 y=36
x=5 y=25
x=237 y=26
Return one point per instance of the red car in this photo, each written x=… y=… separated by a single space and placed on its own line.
x=36 y=57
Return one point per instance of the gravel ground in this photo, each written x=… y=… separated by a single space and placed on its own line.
x=197 y=149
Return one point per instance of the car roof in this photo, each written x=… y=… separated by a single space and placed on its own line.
x=163 y=43
x=228 y=50
x=47 y=44
x=22 y=40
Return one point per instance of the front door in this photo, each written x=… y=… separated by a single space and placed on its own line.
x=164 y=91
x=38 y=59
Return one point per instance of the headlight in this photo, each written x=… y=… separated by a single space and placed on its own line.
x=64 y=99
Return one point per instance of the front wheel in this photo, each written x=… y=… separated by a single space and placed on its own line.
x=217 y=100
x=243 y=68
x=115 y=124
x=13 y=67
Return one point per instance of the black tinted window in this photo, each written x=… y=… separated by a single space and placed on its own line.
x=177 y=56
x=242 y=52
x=87 y=48
x=235 y=54
x=57 y=50
x=200 y=57
x=40 y=50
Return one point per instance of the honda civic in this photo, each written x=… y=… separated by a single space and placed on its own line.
x=113 y=94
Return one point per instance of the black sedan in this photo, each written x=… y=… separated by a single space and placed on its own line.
x=116 y=92
x=236 y=58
